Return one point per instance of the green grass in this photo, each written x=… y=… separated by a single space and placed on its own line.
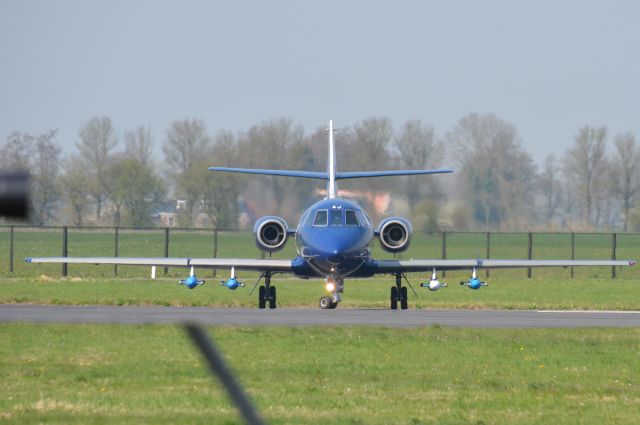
x=105 y=374
x=502 y=293
x=89 y=284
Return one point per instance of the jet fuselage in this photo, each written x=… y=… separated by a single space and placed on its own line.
x=333 y=239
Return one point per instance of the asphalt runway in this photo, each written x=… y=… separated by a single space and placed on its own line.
x=317 y=317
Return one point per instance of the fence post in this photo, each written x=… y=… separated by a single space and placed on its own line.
x=115 y=249
x=530 y=253
x=614 y=245
x=166 y=248
x=65 y=240
x=573 y=249
x=488 y=251
x=11 y=249
x=215 y=247
x=444 y=250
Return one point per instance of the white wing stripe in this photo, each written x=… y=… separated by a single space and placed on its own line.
x=213 y=263
x=391 y=266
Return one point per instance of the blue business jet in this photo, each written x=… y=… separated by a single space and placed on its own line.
x=333 y=240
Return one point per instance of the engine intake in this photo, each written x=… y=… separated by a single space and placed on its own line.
x=395 y=234
x=271 y=233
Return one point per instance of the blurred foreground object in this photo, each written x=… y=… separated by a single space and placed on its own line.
x=220 y=369
x=14 y=194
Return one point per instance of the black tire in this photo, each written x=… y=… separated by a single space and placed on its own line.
x=326 y=303
x=404 y=303
x=261 y=301
x=272 y=297
x=394 y=298
x=333 y=305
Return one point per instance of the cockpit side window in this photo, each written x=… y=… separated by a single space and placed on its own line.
x=335 y=217
x=351 y=219
x=321 y=218
x=367 y=220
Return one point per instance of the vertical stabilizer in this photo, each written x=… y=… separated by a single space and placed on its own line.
x=331 y=164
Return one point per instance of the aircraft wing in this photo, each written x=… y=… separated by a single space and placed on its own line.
x=209 y=263
x=408 y=266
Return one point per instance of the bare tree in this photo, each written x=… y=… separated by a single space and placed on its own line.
x=138 y=145
x=75 y=189
x=550 y=187
x=16 y=152
x=136 y=188
x=496 y=173
x=369 y=144
x=40 y=157
x=625 y=173
x=366 y=146
x=96 y=146
x=45 y=185
x=275 y=143
x=186 y=142
x=417 y=148
x=585 y=168
x=219 y=191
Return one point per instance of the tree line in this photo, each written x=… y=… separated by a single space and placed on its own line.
x=116 y=178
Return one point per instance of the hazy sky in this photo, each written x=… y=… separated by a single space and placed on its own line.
x=547 y=67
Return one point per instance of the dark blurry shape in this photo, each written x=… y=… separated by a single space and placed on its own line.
x=14 y=194
x=219 y=368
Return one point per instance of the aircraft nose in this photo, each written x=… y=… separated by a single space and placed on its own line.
x=336 y=249
x=335 y=258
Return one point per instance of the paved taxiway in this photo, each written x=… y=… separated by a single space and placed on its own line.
x=302 y=317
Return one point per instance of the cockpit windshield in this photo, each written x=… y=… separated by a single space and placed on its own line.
x=351 y=219
x=321 y=218
x=335 y=217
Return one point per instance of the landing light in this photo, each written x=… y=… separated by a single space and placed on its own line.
x=330 y=286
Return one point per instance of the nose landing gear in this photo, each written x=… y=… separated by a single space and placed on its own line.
x=336 y=287
x=326 y=303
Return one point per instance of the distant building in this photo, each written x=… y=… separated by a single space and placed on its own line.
x=166 y=219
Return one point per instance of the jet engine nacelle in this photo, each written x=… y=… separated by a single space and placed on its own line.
x=395 y=234
x=271 y=233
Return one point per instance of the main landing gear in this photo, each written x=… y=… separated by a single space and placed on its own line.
x=267 y=293
x=399 y=293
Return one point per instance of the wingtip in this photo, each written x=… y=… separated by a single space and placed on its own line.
x=27 y=260
x=632 y=263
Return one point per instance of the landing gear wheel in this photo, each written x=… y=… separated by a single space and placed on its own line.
x=272 y=297
x=404 y=302
x=394 y=298
x=327 y=303
x=261 y=293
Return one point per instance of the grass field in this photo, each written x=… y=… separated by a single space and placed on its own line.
x=502 y=293
x=70 y=374
x=97 y=374
x=592 y=287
